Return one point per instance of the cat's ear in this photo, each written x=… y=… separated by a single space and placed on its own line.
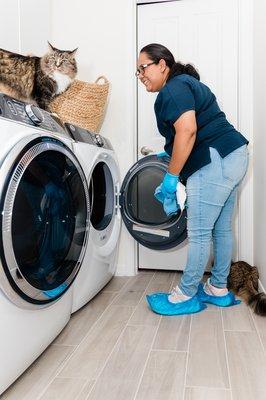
x=51 y=48
x=73 y=52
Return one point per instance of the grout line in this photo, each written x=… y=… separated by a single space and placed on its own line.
x=226 y=357
x=147 y=359
x=207 y=387
x=239 y=330
x=117 y=341
x=256 y=329
x=167 y=350
x=144 y=294
x=63 y=364
x=188 y=352
x=151 y=347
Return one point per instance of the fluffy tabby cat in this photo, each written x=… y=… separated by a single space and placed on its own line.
x=37 y=79
x=243 y=280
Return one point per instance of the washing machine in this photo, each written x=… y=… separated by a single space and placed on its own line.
x=44 y=232
x=100 y=166
x=133 y=202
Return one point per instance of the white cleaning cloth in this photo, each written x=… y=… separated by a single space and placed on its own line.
x=181 y=195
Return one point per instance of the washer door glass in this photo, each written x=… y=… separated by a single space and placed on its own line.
x=49 y=221
x=101 y=193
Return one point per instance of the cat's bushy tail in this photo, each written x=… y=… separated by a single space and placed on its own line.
x=258 y=303
x=256 y=300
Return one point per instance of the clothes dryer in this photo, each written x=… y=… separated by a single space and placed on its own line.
x=133 y=200
x=100 y=166
x=44 y=228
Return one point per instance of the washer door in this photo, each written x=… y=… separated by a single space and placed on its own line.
x=44 y=222
x=143 y=215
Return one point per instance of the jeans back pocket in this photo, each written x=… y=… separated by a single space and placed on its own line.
x=234 y=165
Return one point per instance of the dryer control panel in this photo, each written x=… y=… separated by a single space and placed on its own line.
x=29 y=114
x=85 y=136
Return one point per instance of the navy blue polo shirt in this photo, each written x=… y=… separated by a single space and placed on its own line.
x=183 y=93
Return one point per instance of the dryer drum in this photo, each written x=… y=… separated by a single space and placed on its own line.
x=45 y=222
x=101 y=192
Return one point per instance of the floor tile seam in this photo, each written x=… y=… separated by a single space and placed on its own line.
x=64 y=363
x=142 y=296
x=116 y=291
x=147 y=359
x=226 y=357
x=47 y=387
x=143 y=290
x=240 y=330
x=257 y=330
x=152 y=343
x=207 y=387
x=52 y=378
x=168 y=351
x=187 y=358
x=111 y=352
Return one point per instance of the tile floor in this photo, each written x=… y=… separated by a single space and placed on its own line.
x=115 y=348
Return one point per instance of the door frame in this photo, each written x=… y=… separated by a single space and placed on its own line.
x=245 y=124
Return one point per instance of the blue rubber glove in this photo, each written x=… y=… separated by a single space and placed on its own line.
x=166 y=194
x=169 y=183
x=162 y=154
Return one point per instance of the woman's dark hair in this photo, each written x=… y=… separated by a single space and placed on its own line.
x=156 y=52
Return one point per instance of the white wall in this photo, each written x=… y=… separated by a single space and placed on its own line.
x=104 y=34
x=260 y=138
x=25 y=27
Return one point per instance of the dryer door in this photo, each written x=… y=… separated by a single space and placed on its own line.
x=44 y=222
x=143 y=215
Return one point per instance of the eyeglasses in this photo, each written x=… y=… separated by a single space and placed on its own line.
x=141 y=68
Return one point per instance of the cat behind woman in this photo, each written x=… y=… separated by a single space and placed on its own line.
x=37 y=79
x=243 y=280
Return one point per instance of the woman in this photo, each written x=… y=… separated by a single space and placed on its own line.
x=211 y=158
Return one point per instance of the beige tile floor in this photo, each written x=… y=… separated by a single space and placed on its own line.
x=115 y=348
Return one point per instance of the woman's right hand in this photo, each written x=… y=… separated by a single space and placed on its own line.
x=169 y=184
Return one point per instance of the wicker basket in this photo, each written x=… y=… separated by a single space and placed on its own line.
x=83 y=104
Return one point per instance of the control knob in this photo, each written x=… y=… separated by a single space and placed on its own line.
x=34 y=114
x=99 y=141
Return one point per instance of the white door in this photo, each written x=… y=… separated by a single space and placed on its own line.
x=205 y=34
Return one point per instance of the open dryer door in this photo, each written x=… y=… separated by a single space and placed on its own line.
x=142 y=214
x=44 y=221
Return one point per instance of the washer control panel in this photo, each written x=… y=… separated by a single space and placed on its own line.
x=29 y=114
x=85 y=136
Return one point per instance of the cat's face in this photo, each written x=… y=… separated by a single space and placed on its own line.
x=59 y=61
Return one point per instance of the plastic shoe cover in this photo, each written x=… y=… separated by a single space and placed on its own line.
x=221 y=301
x=160 y=304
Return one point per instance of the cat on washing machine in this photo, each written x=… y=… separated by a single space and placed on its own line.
x=37 y=79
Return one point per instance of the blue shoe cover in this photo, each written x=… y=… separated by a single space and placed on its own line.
x=220 y=301
x=56 y=291
x=160 y=304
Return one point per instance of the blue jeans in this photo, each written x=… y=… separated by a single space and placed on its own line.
x=211 y=195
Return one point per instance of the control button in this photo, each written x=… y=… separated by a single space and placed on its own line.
x=11 y=107
x=99 y=141
x=72 y=127
x=34 y=114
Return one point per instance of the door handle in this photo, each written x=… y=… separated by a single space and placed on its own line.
x=145 y=150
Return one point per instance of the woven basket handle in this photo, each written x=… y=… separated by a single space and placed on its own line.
x=102 y=77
